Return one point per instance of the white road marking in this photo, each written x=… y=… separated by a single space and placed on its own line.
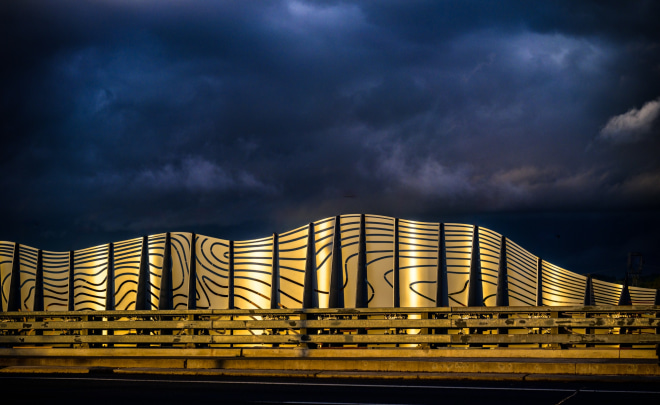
x=568 y=397
x=314 y=384
x=324 y=403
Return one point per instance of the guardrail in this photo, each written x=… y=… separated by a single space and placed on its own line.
x=539 y=327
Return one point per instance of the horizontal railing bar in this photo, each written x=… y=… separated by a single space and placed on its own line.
x=109 y=325
x=339 y=324
x=335 y=339
x=105 y=339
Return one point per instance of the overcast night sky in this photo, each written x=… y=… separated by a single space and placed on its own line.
x=236 y=119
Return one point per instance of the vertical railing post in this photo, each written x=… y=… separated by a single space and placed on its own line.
x=304 y=331
x=84 y=331
x=424 y=331
x=554 y=331
x=191 y=331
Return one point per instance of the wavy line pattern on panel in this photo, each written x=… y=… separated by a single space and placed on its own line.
x=521 y=275
x=489 y=251
x=6 y=264
x=350 y=236
x=180 y=252
x=156 y=246
x=56 y=280
x=293 y=255
x=240 y=274
x=458 y=245
x=418 y=263
x=90 y=277
x=28 y=259
x=324 y=231
x=212 y=284
x=606 y=293
x=380 y=260
x=127 y=256
x=253 y=273
x=642 y=296
x=562 y=287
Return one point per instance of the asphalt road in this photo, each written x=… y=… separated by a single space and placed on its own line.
x=118 y=390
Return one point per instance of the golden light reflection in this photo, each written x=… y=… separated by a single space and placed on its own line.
x=240 y=274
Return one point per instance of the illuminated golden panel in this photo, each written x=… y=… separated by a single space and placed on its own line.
x=380 y=261
x=324 y=232
x=350 y=233
x=90 y=277
x=180 y=251
x=28 y=261
x=293 y=254
x=521 y=275
x=212 y=267
x=418 y=263
x=642 y=296
x=489 y=252
x=458 y=245
x=606 y=293
x=6 y=263
x=253 y=272
x=127 y=256
x=253 y=268
x=56 y=280
x=156 y=246
x=562 y=287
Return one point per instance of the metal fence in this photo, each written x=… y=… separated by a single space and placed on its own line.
x=347 y=261
x=529 y=327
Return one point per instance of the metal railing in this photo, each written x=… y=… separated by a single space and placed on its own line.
x=535 y=327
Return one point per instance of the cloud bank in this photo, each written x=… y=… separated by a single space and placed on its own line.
x=632 y=125
x=239 y=119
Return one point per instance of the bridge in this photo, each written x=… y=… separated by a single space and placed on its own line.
x=363 y=285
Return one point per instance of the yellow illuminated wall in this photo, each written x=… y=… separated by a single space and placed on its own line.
x=253 y=273
x=292 y=257
x=490 y=245
x=562 y=287
x=458 y=245
x=56 y=281
x=379 y=260
x=212 y=273
x=90 y=277
x=395 y=262
x=6 y=264
x=521 y=275
x=181 y=259
x=418 y=263
x=324 y=232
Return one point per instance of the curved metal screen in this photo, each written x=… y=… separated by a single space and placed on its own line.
x=348 y=261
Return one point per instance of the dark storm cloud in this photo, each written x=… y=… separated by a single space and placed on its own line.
x=237 y=119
